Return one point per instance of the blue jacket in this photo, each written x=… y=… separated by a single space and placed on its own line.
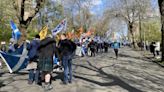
x=32 y=47
x=115 y=45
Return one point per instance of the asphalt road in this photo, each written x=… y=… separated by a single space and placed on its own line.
x=131 y=72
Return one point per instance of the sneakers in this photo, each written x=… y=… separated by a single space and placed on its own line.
x=47 y=87
x=30 y=82
x=64 y=83
x=70 y=82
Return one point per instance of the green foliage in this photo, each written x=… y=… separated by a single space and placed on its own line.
x=31 y=34
x=5 y=35
x=6 y=14
x=152 y=30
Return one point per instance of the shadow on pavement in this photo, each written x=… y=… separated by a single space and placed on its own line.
x=116 y=81
x=128 y=56
x=1 y=84
x=145 y=58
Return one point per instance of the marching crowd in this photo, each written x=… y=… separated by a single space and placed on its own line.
x=43 y=54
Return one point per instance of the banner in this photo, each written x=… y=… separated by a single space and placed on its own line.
x=43 y=33
x=17 y=60
x=16 y=34
x=61 y=26
x=80 y=32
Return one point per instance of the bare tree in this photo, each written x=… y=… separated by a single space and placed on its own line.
x=102 y=24
x=25 y=12
x=131 y=11
x=79 y=14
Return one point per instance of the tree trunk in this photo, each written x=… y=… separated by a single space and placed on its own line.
x=162 y=29
x=24 y=19
x=161 y=6
x=133 y=39
x=23 y=31
x=132 y=34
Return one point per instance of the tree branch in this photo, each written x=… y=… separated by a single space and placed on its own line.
x=22 y=10
x=38 y=7
x=16 y=9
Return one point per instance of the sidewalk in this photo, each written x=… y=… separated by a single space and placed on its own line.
x=150 y=57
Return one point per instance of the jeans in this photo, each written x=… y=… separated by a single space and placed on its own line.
x=67 y=64
x=83 y=51
x=34 y=75
x=116 y=52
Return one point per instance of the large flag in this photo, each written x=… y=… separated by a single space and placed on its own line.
x=17 y=60
x=65 y=24
x=61 y=26
x=90 y=32
x=16 y=34
x=43 y=33
x=79 y=32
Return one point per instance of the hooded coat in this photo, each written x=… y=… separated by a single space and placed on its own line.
x=66 y=48
x=46 y=50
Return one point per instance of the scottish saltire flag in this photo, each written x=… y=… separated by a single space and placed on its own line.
x=17 y=60
x=16 y=34
x=61 y=26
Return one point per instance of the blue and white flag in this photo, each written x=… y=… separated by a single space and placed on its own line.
x=17 y=60
x=61 y=26
x=16 y=34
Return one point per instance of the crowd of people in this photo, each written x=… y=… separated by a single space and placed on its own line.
x=43 y=54
x=41 y=59
x=90 y=47
x=153 y=47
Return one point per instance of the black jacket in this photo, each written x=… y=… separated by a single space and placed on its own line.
x=47 y=48
x=66 y=47
x=92 y=45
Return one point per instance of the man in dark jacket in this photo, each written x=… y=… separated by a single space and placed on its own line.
x=152 y=48
x=32 y=66
x=106 y=47
x=46 y=50
x=66 y=49
x=92 y=47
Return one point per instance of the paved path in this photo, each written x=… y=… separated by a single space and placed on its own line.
x=103 y=73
